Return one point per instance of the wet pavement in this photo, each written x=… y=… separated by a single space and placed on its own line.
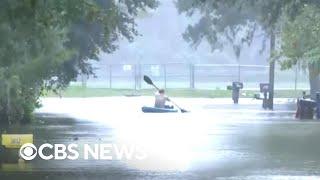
x=216 y=140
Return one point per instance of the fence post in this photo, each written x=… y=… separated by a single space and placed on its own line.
x=83 y=80
x=295 y=78
x=239 y=72
x=139 y=76
x=165 y=75
x=191 y=69
x=135 y=77
x=110 y=76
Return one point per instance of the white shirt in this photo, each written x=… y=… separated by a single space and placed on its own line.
x=160 y=100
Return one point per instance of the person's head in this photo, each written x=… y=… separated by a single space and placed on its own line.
x=303 y=93
x=161 y=91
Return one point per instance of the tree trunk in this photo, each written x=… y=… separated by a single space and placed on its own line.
x=314 y=79
x=271 y=70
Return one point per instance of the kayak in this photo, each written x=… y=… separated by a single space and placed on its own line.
x=146 y=109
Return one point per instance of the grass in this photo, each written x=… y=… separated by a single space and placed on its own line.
x=78 y=91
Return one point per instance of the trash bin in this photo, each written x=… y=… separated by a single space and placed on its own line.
x=306 y=108
x=318 y=105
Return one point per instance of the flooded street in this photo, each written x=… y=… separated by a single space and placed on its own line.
x=82 y=85
x=216 y=140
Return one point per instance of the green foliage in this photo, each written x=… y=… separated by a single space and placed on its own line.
x=234 y=22
x=237 y=21
x=219 y=23
x=300 y=43
x=44 y=44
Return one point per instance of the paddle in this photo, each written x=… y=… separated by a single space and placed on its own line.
x=149 y=81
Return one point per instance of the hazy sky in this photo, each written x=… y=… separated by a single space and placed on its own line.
x=161 y=41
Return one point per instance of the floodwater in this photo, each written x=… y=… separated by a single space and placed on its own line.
x=216 y=140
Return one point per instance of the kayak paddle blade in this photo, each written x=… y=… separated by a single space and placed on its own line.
x=183 y=110
x=147 y=80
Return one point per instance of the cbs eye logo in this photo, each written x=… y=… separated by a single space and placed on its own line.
x=28 y=151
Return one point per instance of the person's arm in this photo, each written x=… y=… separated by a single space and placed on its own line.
x=307 y=96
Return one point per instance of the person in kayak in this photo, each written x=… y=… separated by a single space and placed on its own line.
x=160 y=100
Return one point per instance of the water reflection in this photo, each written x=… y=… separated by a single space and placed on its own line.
x=205 y=143
x=171 y=143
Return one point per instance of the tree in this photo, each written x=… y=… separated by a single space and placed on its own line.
x=220 y=20
x=300 y=45
x=44 y=44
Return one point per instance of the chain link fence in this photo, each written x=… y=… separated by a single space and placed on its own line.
x=197 y=76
